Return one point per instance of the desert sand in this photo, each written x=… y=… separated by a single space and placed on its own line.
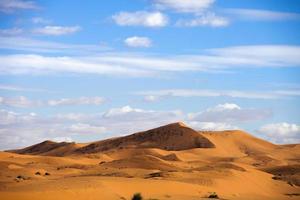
x=170 y=162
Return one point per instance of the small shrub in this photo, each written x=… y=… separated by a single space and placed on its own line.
x=137 y=196
x=213 y=196
x=21 y=177
x=47 y=174
x=37 y=173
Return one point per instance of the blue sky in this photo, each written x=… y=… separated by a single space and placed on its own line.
x=74 y=71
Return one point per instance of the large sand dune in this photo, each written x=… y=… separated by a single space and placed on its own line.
x=169 y=162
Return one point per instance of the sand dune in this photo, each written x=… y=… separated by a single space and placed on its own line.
x=50 y=148
x=175 y=136
x=169 y=162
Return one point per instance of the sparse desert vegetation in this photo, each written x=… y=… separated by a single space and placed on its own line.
x=213 y=195
x=137 y=196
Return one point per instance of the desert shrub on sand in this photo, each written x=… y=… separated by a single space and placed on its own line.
x=21 y=177
x=47 y=174
x=37 y=173
x=137 y=196
x=213 y=196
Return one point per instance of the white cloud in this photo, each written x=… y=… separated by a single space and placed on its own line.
x=40 y=20
x=40 y=46
x=141 y=18
x=214 y=60
x=230 y=113
x=122 y=111
x=121 y=120
x=209 y=19
x=62 y=139
x=11 y=31
x=279 y=55
x=151 y=98
x=281 y=132
x=57 y=30
x=193 y=6
x=81 y=128
x=211 y=126
x=77 y=101
x=77 y=117
x=136 y=41
x=261 y=15
x=23 y=102
x=24 y=129
x=12 y=118
x=226 y=106
x=19 y=130
x=28 y=64
x=290 y=92
x=19 y=101
x=7 y=117
x=18 y=88
x=8 y=6
x=161 y=94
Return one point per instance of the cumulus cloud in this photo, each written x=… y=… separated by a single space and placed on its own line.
x=281 y=132
x=230 y=113
x=141 y=18
x=185 y=6
x=8 y=6
x=136 y=41
x=202 y=17
x=209 y=19
x=57 y=30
